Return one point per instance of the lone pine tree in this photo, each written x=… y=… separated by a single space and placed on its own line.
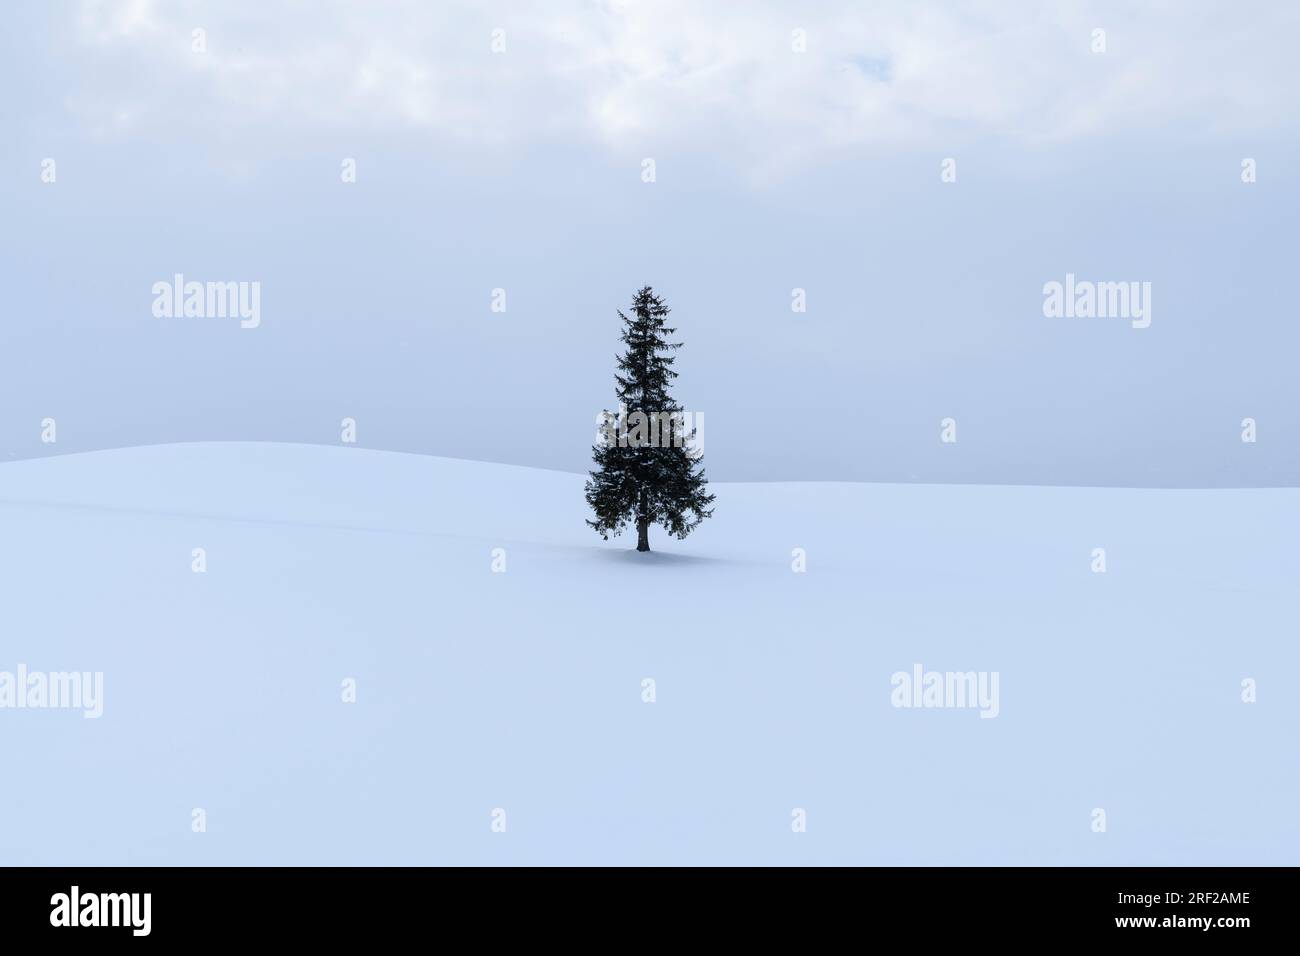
x=648 y=467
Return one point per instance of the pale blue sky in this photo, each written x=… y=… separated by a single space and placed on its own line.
x=775 y=170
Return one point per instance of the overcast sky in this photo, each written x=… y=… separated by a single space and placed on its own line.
x=503 y=146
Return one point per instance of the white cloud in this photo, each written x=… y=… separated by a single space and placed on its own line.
x=681 y=74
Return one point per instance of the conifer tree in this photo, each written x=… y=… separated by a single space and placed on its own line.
x=648 y=467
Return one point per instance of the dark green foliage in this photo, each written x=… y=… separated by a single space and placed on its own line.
x=647 y=475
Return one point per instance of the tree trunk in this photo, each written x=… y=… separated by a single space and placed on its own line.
x=643 y=534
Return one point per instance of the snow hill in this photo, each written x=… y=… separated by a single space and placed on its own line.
x=523 y=690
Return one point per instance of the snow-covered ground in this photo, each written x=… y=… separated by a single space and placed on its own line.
x=523 y=690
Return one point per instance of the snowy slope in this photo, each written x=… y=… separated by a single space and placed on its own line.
x=523 y=690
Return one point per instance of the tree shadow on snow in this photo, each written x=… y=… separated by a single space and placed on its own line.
x=661 y=559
